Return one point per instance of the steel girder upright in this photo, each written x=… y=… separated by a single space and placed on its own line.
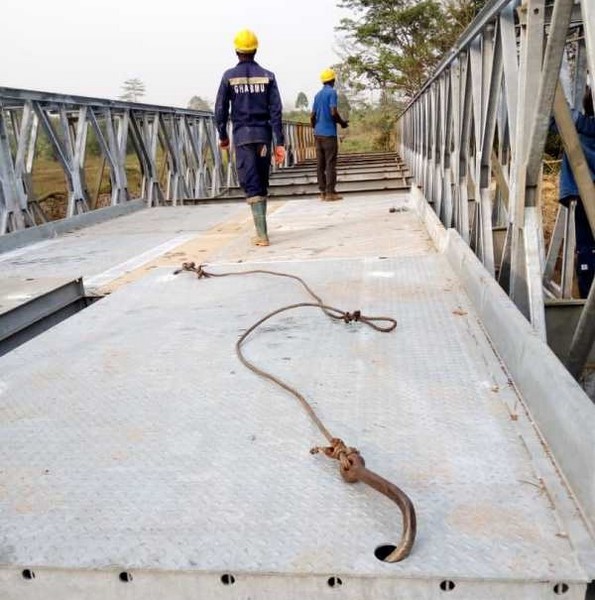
x=11 y=195
x=474 y=135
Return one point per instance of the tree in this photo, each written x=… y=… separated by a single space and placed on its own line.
x=132 y=90
x=459 y=13
x=343 y=91
x=301 y=102
x=43 y=146
x=384 y=121
x=198 y=103
x=393 y=45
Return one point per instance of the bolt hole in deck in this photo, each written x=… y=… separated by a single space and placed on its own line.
x=28 y=574
x=560 y=589
x=228 y=579
x=125 y=577
x=447 y=585
x=334 y=582
x=384 y=551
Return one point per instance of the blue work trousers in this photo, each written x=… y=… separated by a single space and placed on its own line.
x=253 y=163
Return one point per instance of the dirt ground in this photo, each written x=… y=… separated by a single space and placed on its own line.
x=49 y=184
x=54 y=206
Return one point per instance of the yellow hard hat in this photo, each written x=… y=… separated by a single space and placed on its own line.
x=327 y=75
x=245 y=41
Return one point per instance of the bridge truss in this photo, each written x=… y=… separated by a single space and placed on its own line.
x=184 y=140
x=474 y=138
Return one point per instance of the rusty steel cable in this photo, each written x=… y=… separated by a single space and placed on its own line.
x=352 y=465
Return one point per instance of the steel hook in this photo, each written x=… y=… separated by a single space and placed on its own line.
x=357 y=471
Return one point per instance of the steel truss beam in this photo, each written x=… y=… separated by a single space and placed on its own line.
x=183 y=141
x=489 y=105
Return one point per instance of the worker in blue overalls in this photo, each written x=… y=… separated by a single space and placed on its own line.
x=256 y=114
x=585 y=242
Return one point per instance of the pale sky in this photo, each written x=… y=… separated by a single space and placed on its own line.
x=179 y=48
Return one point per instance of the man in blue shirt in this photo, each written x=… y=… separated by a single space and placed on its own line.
x=256 y=114
x=585 y=243
x=324 y=119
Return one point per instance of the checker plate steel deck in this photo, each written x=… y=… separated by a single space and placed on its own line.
x=134 y=441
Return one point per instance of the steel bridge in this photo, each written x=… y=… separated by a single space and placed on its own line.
x=139 y=459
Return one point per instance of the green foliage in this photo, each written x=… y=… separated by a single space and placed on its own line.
x=393 y=45
x=133 y=90
x=344 y=93
x=198 y=103
x=459 y=13
x=297 y=116
x=553 y=145
x=11 y=136
x=343 y=104
x=93 y=147
x=43 y=146
x=372 y=126
x=388 y=45
x=44 y=149
x=301 y=102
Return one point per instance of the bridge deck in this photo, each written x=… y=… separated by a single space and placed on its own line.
x=107 y=250
x=133 y=439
